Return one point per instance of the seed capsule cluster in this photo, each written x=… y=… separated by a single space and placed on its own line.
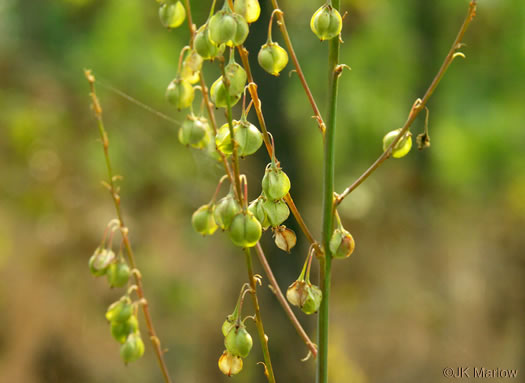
x=122 y=314
x=244 y=222
x=237 y=340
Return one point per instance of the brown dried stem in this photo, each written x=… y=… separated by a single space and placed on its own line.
x=155 y=341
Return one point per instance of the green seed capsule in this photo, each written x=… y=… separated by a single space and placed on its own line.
x=120 y=311
x=180 y=93
x=313 y=300
x=275 y=183
x=100 y=260
x=238 y=341
x=225 y=210
x=203 y=221
x=326 y=23
x=223 y=139
x=249 y=9
x=272 y=58
x=402 y=147
x=249 y=139
x=219 y=95
x=245 y=230
x=256 y=207
x=237 y=77
x=194 y=132
x=191 y=67
x=223 y=26
x=204 y=46
x=276 y=211
x=342 y=243
x=228 y=324
x=172 y=14
x=118 y=274
x=241 y=32
x=132 y=349
x=121 y=330
x=230 y=364
x=305 y=295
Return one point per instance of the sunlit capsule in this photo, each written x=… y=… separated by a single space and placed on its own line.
x=230 y=364
x=120 y=311
x=402 y=147
x=172 y=14
x=203 y=221
x=191 y=67
x=180 y=93
x=342 y=243
x=249 y=9
x=248 y=137
x=272 y=58
x=219 y=95
x=326 y=22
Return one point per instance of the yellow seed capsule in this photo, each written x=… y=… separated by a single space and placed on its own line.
x=191 y=67
x=326 y=22
x=132 y=349
x=180 y=93
x=272 y=58
x=249 y=9
x=402 y=147
x=342 y=243
x=172 y=14
x=203 y=221
x=219 y=94
x=230 y=364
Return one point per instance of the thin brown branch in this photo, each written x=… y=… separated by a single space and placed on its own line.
x=155 y=341
x=269 y=147
x=258 y=322
x=418 y=106
x=282 y=300
x=304 y=83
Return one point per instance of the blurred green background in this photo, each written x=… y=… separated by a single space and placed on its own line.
x=438 y=276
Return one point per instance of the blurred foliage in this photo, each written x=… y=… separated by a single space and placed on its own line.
x=438 y=275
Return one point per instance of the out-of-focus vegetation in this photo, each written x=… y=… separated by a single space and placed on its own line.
x=437 y=278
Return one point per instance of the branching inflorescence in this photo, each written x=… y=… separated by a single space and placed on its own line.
x=219 y=40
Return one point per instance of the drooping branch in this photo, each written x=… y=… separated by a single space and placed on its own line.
x=155 y=341
x=417 y=107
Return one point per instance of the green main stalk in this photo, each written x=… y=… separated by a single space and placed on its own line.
x=328 y=218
